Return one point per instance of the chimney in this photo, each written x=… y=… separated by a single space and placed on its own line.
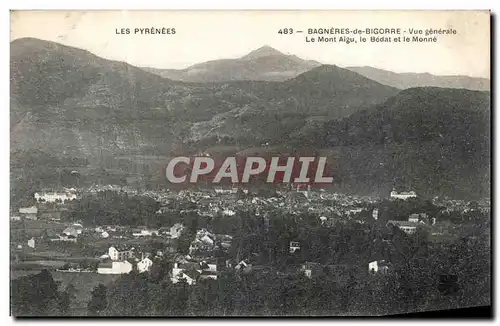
x=176 y=265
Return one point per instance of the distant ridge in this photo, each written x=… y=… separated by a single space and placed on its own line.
x=269 y=64
x=409 y=80
x=263 y=51
x=262 y=64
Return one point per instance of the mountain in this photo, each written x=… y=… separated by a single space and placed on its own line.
x=327 y=90
x=265 y=64
x=409 y=80
x=264 y=51
x=47 y=73
x=334 y=91
x=282 y=108
x=68 y=101
x=65 y=99
x=432 y=140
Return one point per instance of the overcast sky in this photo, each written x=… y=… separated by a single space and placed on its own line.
x=202 y=36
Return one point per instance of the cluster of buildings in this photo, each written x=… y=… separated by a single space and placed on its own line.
x=122 y=259
x=414 y=221
x=226 y=202
x=41 y=211
x=199 y=264
x=29 y=213
x=126 y=232
x=56 y=197
x=69 y=234
x=193 y=271
x=49 y=205
x=205 y=242
x=463 y=206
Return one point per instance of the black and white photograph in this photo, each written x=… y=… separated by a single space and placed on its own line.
x=250 y=163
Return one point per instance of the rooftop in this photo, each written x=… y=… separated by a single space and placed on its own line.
x=122 y=247
x=105 y=265
x=402 y=223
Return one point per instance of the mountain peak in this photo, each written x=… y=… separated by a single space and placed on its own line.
x=263 y=51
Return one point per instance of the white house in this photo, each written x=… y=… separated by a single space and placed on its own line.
x=312 y=269
x=222 y=191
x=414 y=218
x=243 y=266
x=207 y=267
x=191 y=272
x=294 y=246
x=186 y=271
x=403 y=195
x=115 y=267
x=190 y=276
x=31 y=243
x=51 y=197
x=378 y=266
x=207 y=271
x=144 y=265
x=405 y=226
x=375 y=214
x=207 y=239
x=120 y=252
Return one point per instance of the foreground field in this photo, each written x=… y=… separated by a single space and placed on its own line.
x=34 y=228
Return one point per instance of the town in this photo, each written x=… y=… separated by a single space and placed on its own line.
x=197 y=235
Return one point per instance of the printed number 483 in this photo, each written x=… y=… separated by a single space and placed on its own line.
x=286 y=31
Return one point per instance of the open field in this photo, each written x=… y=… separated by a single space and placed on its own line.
x=34 y=228
x=30 y=265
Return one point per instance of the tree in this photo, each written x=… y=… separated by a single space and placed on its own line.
x=180 y=292
x=99 y=301
x=33 y=295
x=65 y=299
x=184 y=241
